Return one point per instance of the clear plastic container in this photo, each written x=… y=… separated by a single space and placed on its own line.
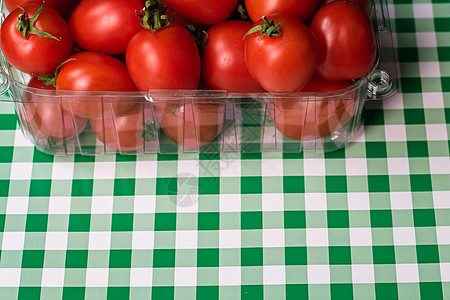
x=206 y=121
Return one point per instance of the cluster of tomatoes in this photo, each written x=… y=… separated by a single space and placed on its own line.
x=248 y=46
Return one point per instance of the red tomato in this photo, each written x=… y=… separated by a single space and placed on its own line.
x=282 y=63
x=223 y=63
x=300 y=9
x=164 y=59
x=127 y=132
x=309 y=119
x=347 y=41
x=36 y=54
x=93 y=71
x=363 y=4
x=105 y=26
x=191 y=125
x=44 y=117
x=61 y=6
x=207 y=12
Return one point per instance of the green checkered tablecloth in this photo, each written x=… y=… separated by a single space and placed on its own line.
x=371 y=221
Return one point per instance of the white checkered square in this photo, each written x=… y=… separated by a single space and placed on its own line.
x=437 y=132
x=318 y=274
x=146 y=169
x=230 y=203
x=316 y=201
x=105 y=170
x=62 y=170
x=358 y=201
x=356 y=166
x=143 y=240
x=102 y=204
x=272 y=202
x=13 y=241
x=144 y=204
x=426 y=39
x=272 y=167
x=274 y=275
x=407 y=273
x=185 y=276
x=97 y=277
x=423 y=10
x=363 y=273
x=230 y=168
x=186 y=239
x=10 y=277
x=395 y=133
x=141 y=277
x=316 y=237
x=360 y=236
x=59 y=205
x=433 y=100
x=229 y=276
x=440 y=199
x=17 y=206
x=401 y=200
x=56 y=240
x=99 y=240
x=314 y=167
x=404 y=236
x=429 y=69
x=440 y=165
x=21 y=171
x=443 y=235
x=229 y=239
x=398 y=166
x=273 y=238
x=53 y=277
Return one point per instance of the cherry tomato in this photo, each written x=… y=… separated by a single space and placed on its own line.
x=347 y=41
x=282 y=63
x=127 y=132
x=61 y=6
x=191 y=125
x=207 y=12
x=36 y=54
x=309 y=119
x=94 y=71
x=164 y=59
x=44 y=116
x=300 y=9
x=223 y=62
x=105 y=26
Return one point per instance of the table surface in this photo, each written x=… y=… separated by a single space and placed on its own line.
x=371 y=221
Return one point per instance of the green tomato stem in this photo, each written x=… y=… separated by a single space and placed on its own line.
x=269 y=29
x=26 y=26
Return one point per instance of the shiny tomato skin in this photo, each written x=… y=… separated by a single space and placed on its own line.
x=191 y=125
x=206 y=12
x=61 y=6
x=94 y=71
x=285 y=63
x=223 y=62
x=164 y=59
x=44 y=116
x=35 y=54
x=123 y=132
x=105 y=26
x=300 y=9
x=309 y=118
x=346 y=39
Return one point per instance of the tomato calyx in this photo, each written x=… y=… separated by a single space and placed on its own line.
x=148 y=132
x=269 y=29
x=26 y=27
x=49 y=143
x=154 y=15
x=51 y=79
